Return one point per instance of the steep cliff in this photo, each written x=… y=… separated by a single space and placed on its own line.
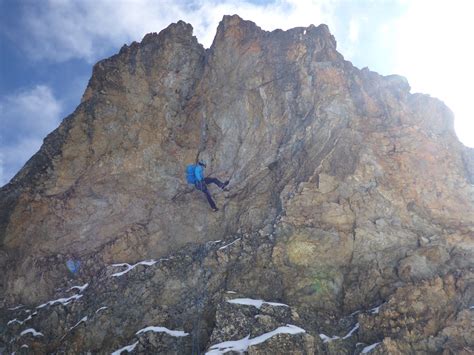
x=346 y=192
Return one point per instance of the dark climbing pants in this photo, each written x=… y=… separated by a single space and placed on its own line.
x=202 y=186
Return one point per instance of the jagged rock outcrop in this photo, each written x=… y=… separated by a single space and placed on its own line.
x=347 y=191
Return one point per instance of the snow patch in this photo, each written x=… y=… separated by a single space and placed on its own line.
x=173 y=333
x=230 y=292
x=304 y=32
x=15 y=308
x=376 y=310
x=227 y=245
x=131 y=267
x=32 y=332
x=63 y=301
x=79 y=288
x=127 y=348
x=472 y=307
x=24 y=346
x=234 y=345
x=101 y=309
x=327 y=339
x=83 y=320
x=352 y=331
x=22 y=321
x=244 y=343
x=255 y=303
x=369 y=348
x=354 y=313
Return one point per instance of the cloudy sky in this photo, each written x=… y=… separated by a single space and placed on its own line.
x=48 y=47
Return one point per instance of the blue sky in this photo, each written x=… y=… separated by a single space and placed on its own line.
x=48 y=48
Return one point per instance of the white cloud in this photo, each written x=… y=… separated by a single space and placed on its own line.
x=434 y=51
x=63 y=29
x=349 y=36
x=33 y=110
x=354 y=30
x=26 y=118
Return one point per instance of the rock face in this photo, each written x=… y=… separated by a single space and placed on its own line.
x=346 y=192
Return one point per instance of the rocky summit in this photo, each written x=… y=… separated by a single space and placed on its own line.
x=348 y=226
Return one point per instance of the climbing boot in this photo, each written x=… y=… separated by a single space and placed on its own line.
x=224 y=186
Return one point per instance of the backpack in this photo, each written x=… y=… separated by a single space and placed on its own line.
x=73 y=265
x=190 y=176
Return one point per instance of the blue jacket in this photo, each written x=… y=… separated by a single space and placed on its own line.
x=199 y=173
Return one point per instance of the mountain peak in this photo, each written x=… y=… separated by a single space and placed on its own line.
x=174 y=30
x=235 y=28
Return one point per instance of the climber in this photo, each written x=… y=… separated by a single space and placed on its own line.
x=195 y=175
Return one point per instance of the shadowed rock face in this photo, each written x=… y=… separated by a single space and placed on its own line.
x=346 y=191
